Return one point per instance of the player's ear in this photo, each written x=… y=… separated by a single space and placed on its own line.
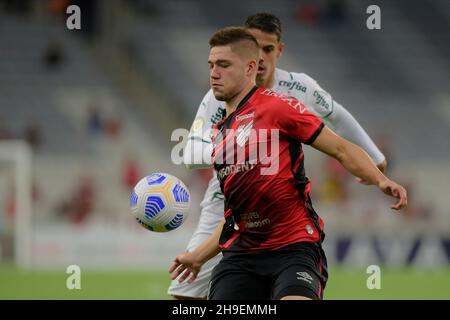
x=280 y=49
x=252 y=67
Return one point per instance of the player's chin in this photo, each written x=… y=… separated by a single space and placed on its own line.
x=219 y=95
x=260 y=78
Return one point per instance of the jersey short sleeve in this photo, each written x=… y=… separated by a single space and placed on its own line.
x=293 y=119
x=317 y=99
x=198 y=148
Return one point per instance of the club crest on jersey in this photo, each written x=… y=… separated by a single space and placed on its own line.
x=243 y=132
x=198 y=125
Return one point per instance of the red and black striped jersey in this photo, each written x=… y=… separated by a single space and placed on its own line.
x=258 y=158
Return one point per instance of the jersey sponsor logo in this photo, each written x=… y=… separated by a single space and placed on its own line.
x=292 y=85
x=253 y=220
x=321 y=99
x=257 y=224
x=216 y=117
x=304 y=276
x=235 y=168
x=294 y=103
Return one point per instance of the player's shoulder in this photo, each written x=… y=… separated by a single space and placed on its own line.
x=209 y=99
x=311 y=93
x=211 y=106
x=269 y=95
x=270 y=98
x=299 y=80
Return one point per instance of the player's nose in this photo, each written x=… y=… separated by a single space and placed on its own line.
x=214 y=74
x=261 y=59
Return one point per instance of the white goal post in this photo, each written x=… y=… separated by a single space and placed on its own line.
x=19 y=154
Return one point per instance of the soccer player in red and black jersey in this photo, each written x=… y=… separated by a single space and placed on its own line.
x=271 y=237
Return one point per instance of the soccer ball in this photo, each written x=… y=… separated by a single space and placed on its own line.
x=160 y=202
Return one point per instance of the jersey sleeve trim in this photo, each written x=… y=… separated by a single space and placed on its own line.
x=315 y=134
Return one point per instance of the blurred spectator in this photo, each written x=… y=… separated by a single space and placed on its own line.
x=307 y=13
x=53 y=56
x=97 y=123
x=33 y=135
x=58 y=7
x=131 y=173
x=94 y=120
x=10 y=206
x=10 y=199
x=36 y=193
x=113 y=127
x=335 y=12
x=148 y=8
x=415 y=210
x=334 y=188
x=81 y=203
x=14 y=6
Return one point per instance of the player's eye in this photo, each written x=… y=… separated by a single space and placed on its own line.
x=268 y=49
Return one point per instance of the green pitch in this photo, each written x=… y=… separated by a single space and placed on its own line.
x=343 y=284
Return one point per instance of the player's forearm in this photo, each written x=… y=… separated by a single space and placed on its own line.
x=357 y=162
x=344 y=124
x=210 y=247
x=352 y=157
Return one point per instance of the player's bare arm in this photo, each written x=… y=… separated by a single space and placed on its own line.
x=190 y=263
x=356 y=161
x=381 y=166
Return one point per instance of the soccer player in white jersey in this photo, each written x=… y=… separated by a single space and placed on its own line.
x=266 y=28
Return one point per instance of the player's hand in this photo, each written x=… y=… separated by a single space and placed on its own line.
x=395 y=190
x=381 y=166
x=185 y=264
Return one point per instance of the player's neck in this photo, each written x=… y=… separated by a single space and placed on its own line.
x=233 y=103
x=268 y=83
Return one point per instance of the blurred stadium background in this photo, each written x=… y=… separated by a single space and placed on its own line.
x=85 y=113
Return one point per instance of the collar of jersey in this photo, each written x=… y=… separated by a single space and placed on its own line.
x=243 y=101
x=247 y=96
